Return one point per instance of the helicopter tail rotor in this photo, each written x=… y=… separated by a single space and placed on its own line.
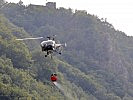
x=65 y=44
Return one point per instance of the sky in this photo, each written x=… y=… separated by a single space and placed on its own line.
x=119 y=13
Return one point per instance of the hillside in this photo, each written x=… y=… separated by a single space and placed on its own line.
x=96 y=65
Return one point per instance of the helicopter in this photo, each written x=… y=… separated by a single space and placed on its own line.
x=49 y=46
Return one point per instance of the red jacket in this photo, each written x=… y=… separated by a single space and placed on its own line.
x=53 y=78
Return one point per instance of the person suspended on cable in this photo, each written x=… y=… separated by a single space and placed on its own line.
x=54 y=77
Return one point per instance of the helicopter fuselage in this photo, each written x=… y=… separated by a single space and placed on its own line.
x=50 y=46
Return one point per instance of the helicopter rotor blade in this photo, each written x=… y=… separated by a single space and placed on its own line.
x=30 y=38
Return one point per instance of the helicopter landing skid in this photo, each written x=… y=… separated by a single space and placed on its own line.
x=49 y=53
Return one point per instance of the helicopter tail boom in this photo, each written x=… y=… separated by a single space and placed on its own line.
x=30 y=38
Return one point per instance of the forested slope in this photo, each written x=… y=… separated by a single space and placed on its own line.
x=17 y=78
x=96 y=65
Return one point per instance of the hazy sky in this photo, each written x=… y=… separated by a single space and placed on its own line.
x=118 y=12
